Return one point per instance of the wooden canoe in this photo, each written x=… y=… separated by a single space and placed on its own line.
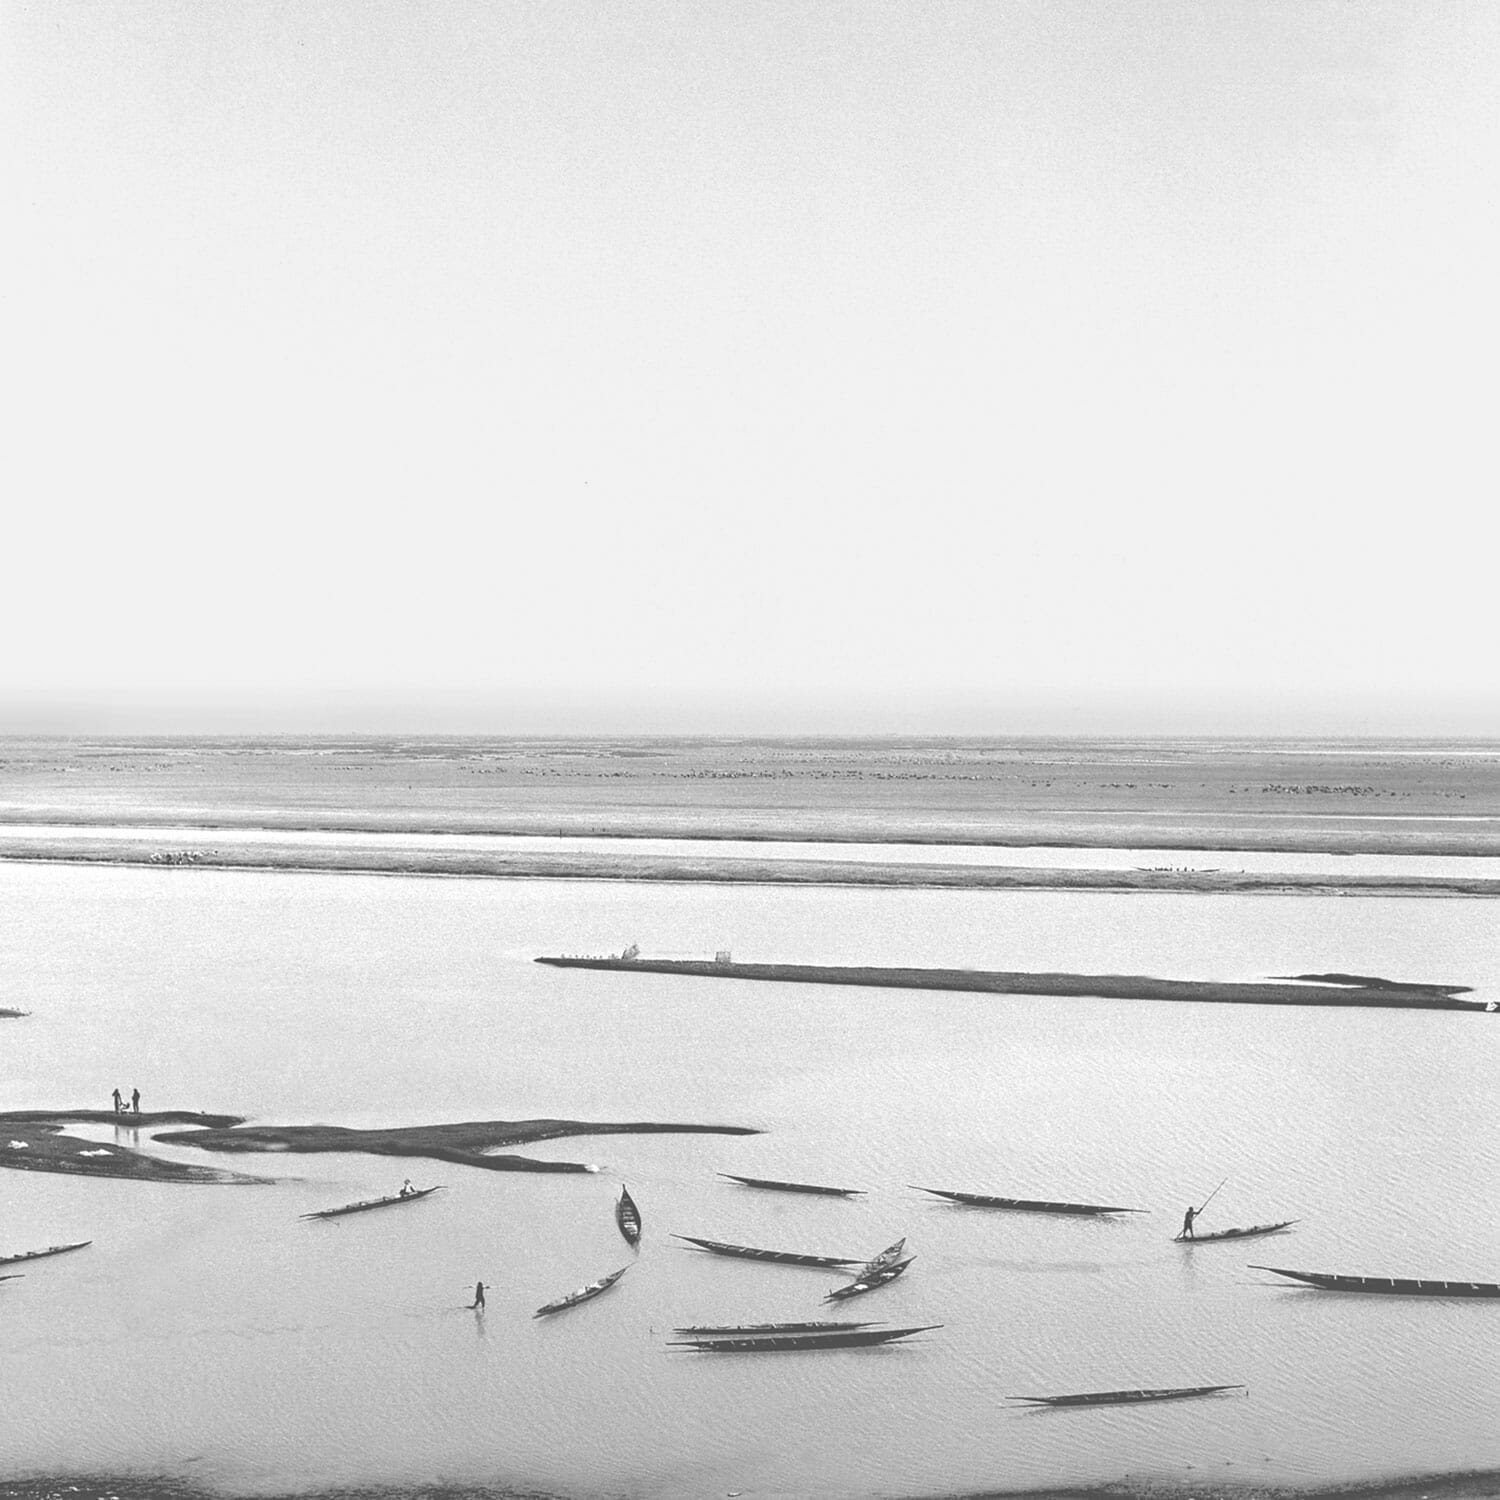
x=788 y=1342
x=583 y=1294
x=1121 y=1398
x=628 y=1217
x=718 y=1330
x=368 y=1203
x=1029 y=1205
x=771 y=1185
x=15 y=1260
x=869 y=1283
x=887 y=1257
x=774 y=1257
x=1210 y=1236
x=1387 y=1286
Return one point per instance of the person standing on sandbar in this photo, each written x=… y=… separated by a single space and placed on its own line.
x=119 y=1101
x=135 y=1101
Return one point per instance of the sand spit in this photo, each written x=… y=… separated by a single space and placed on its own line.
x=1360 y=994
x=464 y=1144
x=677 y=869
x=34 y=1140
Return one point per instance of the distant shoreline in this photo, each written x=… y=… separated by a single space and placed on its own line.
x=705 y=870
x=1477 y=1484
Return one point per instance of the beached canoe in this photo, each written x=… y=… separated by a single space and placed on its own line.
x=1210 y=1236
x=583 y=1294
x=1387 y=1286
x=719 y=1330
x=628 y=1217
x=1029 y=1205
x=792 y=1187
x=15 y=1260
x=887 y=1257
x=788 y=1342
x=368 y=1203
x=1122 y=1398
x=868 y=1282
x=775 y=1257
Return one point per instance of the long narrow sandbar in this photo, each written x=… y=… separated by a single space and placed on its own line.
x=707 y=870
x=35 y=1140
x=1360 y=993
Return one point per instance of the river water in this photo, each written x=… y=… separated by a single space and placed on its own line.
x=211 y=1334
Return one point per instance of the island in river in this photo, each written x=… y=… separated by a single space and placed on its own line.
x=36 y=1141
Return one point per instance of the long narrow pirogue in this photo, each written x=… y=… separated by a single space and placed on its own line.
x=1028 y=1205
x=785 y=1343
x=718 y=1330
x=14 y=1260
x=1388 y=1286
x=1121 y=1398
x=887 y=1257
x=869 y=1280
x=583 y=1294
x=368 y=1203
x=792 y=1187
x=775 y=1257
x=628 y=1217
x=1232 y=1234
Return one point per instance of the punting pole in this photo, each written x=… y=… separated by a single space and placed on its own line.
x=1210 y=1198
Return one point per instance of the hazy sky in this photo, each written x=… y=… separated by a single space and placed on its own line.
x=994 y=366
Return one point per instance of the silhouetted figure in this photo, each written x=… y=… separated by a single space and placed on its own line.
x=135 y=1101
x=478 y=1303
x=119 y=1101
x=1187 y=1223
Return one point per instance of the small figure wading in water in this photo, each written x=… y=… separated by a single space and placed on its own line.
x=1187 y=1223
x=478 y=1303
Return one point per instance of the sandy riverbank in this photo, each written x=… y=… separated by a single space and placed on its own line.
x=676 y=869
x=1472 y=1485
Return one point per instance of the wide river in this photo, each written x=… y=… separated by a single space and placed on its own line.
x=211 y=1334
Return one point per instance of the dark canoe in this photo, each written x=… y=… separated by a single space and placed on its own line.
x=1388 y=1286
x=628 y=1217
x=792 y=1187
x=1233 y=1234
x=583 y=1294
x=716 y=1330
x=775 y=1257
x=1029 y=1205
x=887 y=1257
x=14 y=1260
x=785 y=1343
x=1122 y=1398
x=869 y=1282
x=369 y=1203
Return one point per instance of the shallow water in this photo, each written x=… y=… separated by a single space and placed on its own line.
x=209 y=1331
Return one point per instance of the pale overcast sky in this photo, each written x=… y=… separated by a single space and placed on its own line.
x=918 y=366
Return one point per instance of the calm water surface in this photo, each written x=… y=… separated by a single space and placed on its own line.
x=209 y=1332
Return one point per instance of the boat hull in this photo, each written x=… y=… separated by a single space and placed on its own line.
x=1029 y=1205
x=771 y=1257
x=793 y=1187
x=1216 y=1235
x=1387 y=1286
x=869 y=1283
x=1126 y=1398
x=788 y=1343
x=15 y=1260
x=373 y=1203
x=582 y=1295
x=628 y=1217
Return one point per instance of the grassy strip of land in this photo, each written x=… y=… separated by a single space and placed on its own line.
x=35 y=1141
x=1361 y=992
x=480 y=864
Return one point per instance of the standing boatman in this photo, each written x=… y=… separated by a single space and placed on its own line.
x=1187 y=1223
